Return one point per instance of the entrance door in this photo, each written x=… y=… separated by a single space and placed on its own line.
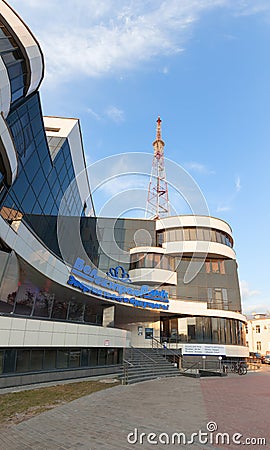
x=168 y=329
x=164 y=329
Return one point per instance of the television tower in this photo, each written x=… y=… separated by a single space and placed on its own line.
x=157 y=200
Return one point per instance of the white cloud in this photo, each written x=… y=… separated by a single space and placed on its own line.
x=246 y=292
x=252 y=300
x=120 y=172
x=115 y=114
x=100 y=37
x=198 y=167
x=259 y=308
x=238 y=184
x=223 y=208
x=227 y=206
x=165 y=70
x=97 y=37
x=251 y=7
x=93 y=113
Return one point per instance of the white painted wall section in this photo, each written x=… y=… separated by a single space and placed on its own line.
x=19 y=332
x=203 y=247
x=154 y=275
x=69 y=128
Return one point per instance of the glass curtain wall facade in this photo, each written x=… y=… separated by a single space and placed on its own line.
x=41 y=181
x=203 y=330
x=27 y=360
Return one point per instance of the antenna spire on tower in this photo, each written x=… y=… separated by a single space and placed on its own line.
x=158 y=136
x=158 y=201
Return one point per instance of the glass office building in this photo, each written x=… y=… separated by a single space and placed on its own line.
x=67 y=309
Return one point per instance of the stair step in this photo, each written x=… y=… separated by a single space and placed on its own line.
x=148 y=377
x=148 y=364
x=150 y=372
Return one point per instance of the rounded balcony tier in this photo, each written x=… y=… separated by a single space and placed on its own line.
x=155 y=276
x=193 y=221
x=189 y=248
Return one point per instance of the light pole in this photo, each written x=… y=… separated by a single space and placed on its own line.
x=204 y=358
x=220 y=359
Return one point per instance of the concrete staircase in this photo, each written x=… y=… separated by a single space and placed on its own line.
x=141 y=364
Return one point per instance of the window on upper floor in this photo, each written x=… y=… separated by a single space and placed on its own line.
x=217 y=298
x=258 y=328
x=215 y=266
x=193 y=234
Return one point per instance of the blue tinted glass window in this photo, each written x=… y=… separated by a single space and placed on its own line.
x=16 y=83
x=71 y=173
x=36 y=123
x=24 y=118
x=39 y=140
x=43 y=195
x=5 y=45
x=41 y=181
x=65 y=183
x=15 y=64
x=54 y=211
x=52 y=178
x=15 y=69
x=59 y=160
x=20 y=186
x=29 y=200
x=62 y=174
x=37 y=208
x=49 y=204
x=59 y=196
x=46 y=165
x=12 y=57
x=38 y=181
x=28 y=134
x=32 y=167
x=17 y=94
x=66 y=151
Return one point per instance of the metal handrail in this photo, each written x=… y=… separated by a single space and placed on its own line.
x=128 y=362
x=125 y=370
x=171 y=352
x=197 y=363
x=144 y=354
x=161 y=346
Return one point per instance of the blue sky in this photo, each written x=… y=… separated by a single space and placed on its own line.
x=204 y=67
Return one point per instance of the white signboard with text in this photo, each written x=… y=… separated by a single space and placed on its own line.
x=203 y=349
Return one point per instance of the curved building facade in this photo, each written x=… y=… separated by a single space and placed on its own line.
x=75 y=290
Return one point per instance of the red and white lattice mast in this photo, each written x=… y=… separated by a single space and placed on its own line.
x=158 y=200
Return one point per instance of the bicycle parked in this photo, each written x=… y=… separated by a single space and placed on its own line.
x=236 y=367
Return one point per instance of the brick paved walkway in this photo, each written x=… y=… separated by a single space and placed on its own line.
x=104 y=419
x=240 y=404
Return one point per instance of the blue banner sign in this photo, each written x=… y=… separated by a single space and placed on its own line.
x=91 y=274
x=72 y=281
